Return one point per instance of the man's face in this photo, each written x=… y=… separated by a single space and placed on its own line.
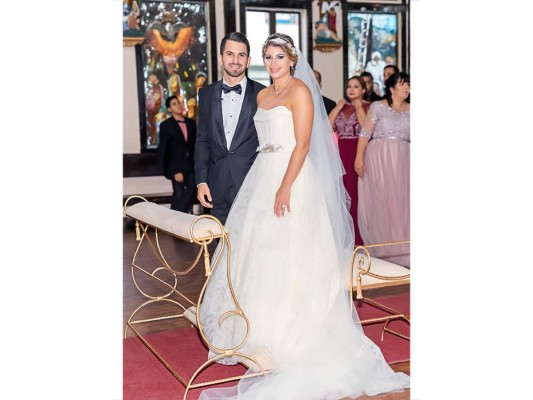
x=387 y=72
x=369 y=83
x=234 y=59
x=176 y=107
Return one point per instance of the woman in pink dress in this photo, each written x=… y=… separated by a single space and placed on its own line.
x=346 y=119
x=382 y=163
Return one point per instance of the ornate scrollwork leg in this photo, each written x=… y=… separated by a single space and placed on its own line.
x=362 y=260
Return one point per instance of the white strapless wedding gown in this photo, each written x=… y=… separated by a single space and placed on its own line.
x=286 y=284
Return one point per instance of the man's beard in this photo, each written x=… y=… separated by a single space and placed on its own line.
x=234 y=73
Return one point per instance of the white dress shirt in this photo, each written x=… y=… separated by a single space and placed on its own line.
x=231 y=109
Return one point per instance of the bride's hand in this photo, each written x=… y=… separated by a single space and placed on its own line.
x=282 y=202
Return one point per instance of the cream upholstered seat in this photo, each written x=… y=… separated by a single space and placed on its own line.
x=381 y=274
x=185 y=226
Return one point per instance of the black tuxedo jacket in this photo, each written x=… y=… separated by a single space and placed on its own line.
x=174 y=154
x=329 y=104
x=372 y=96
x=214 y=164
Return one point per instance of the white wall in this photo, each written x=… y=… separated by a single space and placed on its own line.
x=331 y=68
x=130 y=104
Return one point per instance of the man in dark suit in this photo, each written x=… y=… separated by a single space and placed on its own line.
x=175 y=154
x=226 y=144
x=328 y=103
x=370 y=95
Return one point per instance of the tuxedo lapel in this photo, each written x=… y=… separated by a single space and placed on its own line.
x=246 y=113
x=218 y=122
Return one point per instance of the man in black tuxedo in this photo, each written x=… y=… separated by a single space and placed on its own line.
x=370 y=95
x=175 y=154
x=226 y=144
x=328 y=103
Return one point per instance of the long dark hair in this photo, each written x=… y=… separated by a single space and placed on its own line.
x=394 y=79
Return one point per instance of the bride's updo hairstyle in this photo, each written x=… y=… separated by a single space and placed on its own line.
x=286 y=43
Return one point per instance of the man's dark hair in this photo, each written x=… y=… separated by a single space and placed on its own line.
x=236 y=37
x=167 y=101
x=394 y=68
x=366 y=73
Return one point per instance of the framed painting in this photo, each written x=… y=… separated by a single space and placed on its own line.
x=327 y=32
x=174 y=58
x=131 y=19
x=372 y=44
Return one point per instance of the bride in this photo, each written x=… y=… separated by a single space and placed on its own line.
x=291 y=242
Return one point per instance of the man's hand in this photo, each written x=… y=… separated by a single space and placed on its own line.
x=204 y=195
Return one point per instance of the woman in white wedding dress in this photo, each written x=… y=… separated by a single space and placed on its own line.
x=291 y=241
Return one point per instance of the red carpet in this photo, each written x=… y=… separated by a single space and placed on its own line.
x=145 y=378
x=394 y=348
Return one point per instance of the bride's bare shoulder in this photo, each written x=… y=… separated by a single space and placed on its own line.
x=299 y=90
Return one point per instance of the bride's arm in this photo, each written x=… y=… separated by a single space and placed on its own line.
x=302 y=114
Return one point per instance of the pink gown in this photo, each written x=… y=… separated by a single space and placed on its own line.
x=348 y=127
x=384 y=200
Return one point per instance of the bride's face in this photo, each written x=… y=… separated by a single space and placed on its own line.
x=277 y=62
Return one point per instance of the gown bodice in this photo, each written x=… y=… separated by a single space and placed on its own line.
x=388 y=123
x=275 y=130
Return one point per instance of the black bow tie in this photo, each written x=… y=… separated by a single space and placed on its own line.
x=237 y=88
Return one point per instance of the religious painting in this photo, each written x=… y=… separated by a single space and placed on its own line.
x=372 y=44
x=327 y=27
x=131 y=19
x=175 y=59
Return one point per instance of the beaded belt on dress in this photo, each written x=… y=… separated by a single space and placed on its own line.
x=379 y=139
x=348 y=137
x=269 y=148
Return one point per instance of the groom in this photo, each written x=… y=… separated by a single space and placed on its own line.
x=226 y=139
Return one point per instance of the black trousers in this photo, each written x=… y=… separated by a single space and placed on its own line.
x=221 y=208
x=184 y=194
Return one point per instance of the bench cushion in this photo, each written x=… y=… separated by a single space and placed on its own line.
x=175 y=222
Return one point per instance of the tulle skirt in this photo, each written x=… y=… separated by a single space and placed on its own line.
x=287 y=284
x=384 y=198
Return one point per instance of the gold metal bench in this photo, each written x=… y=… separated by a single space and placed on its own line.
x=152 y=220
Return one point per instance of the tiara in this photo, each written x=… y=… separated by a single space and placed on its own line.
x=282 y=42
